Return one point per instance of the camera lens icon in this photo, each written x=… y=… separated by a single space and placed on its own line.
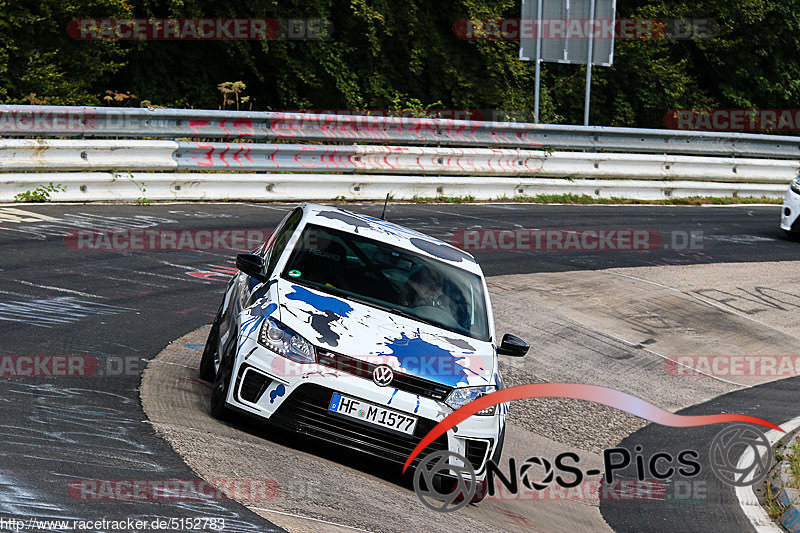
x=740 y=455
x=449 y=480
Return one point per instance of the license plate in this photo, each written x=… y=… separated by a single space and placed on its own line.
x=372 y=414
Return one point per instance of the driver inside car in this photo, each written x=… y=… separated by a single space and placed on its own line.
x=424 y=287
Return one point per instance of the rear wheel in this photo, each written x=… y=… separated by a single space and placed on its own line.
x=208 y=362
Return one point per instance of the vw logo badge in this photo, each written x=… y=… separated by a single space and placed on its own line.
x=382 y=375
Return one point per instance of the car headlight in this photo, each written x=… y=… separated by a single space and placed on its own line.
x=283 y=340
x=461 y=397
x=795 y=186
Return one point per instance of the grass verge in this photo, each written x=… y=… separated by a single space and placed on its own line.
x=774 y=508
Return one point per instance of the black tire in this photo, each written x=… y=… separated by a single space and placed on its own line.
x=207 y=369
x=483 y=487
x=219 y=392
x=498 y=450
x=447 y=485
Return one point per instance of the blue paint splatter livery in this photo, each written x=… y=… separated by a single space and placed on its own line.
x=319 y=302
x=255 y=322
x=422 y=355
x=280 y=390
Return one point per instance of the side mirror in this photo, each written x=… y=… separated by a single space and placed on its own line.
x=252 y=265
x=512 y=346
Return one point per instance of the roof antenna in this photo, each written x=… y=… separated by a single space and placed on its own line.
x=383 y=215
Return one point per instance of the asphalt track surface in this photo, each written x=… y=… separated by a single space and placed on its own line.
x=124 y=307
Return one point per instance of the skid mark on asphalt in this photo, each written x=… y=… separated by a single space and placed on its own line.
x=18 y=501
x=59 y=310
x=114 y=435
x=763 y=293
x=667 y=321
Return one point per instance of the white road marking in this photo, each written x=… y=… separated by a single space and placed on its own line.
x=311 y=519
x=171 y=278
x=11 y=214
x=503 y=206
x=59 y=289
x=462 y=215
x=738 y=239
x=173 y=364
x=748 y=501
x=270 y=207
x=17 y=294
x=134 y=281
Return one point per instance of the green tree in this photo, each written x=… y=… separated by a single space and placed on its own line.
x=38 y=57
x=387 y=54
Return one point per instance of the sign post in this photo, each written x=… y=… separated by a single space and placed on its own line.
x=569 y=31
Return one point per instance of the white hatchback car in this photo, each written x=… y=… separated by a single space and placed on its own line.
x=362 y=333
x=790 y=214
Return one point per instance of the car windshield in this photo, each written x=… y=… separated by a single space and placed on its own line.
x=390 y=278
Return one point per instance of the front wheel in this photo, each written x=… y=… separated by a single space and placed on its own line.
x=219 y=392
x=208 y=370
x=483 y=486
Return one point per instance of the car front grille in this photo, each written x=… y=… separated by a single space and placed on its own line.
x=476 y=453
x=404 y=382
x=253 y=384
x=306 y=411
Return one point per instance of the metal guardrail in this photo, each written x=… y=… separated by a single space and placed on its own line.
x=40 y=155
x=104 y=122
x=192 y=186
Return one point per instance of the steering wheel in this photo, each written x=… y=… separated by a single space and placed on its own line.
x=436 y=314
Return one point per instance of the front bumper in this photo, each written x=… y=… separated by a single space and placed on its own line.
x=296 y=397
x=790 y=213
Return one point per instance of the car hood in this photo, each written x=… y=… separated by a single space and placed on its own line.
x=364 y=332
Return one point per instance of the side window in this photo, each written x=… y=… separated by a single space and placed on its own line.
x=281 y=239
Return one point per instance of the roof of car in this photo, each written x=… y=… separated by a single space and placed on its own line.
x=389 y=232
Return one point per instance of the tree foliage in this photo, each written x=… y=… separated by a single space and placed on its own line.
x=384 y=54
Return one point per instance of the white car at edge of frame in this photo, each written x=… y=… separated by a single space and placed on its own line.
x=790 y=213
x=361 y=333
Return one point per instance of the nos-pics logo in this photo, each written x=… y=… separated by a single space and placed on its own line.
x=740 y=455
